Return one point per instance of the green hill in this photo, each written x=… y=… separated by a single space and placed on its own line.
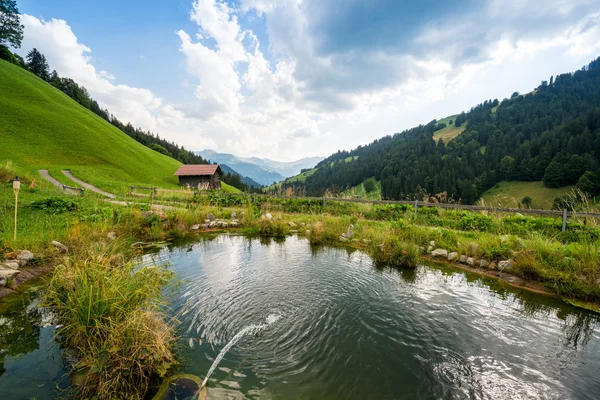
x=550 y=135
x=42 y=128
x=510 y=194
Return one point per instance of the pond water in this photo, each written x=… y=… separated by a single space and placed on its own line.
x=346 y=330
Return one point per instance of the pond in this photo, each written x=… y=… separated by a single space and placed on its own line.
x=341 y=328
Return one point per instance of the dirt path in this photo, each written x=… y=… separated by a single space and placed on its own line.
x=46 y=175
x=87 y=185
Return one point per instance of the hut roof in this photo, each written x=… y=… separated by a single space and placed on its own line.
x=198 y=169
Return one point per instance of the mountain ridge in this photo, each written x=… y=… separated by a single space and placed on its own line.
x=262 y=170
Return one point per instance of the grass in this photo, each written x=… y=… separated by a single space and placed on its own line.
x=111 y=314
x=42 y=128
x=510 y=194
x=359 y=190
x=450 y=131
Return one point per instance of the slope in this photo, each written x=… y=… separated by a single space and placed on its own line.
x=42 y=128
x=550 y=135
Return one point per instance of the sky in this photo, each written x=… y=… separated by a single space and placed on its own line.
x=287 y=79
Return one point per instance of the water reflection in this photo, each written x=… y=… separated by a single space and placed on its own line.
x=349 y=329
x=354 y=330
x=31 y=362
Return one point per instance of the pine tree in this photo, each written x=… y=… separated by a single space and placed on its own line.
x=36 y=62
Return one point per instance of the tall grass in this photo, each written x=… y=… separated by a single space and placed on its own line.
x=113 y=320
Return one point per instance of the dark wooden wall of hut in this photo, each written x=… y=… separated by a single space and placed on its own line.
x=193 y=181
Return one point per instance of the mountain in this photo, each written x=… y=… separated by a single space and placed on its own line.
x=43 y=128
x=248 y=181
x=550 y=135
x=286 y=169
x=262 y=170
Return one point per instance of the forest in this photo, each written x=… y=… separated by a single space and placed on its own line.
x=551 y=134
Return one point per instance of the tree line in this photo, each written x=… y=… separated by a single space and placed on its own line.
x=551 y=135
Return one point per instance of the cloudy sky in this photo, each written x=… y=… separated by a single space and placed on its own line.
x=292 y=78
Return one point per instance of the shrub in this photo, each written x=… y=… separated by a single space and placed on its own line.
x=54 y=205
x=476 y=222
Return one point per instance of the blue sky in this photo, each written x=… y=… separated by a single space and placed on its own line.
x=292 y=78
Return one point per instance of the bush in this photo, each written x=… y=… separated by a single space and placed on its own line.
x=476 y=222
x=54 y=205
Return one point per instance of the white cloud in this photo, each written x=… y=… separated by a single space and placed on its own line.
x=284 y=99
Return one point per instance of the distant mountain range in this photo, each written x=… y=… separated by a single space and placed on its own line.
x=261 y=170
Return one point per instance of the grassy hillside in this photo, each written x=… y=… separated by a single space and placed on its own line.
x=509 y=194
x=42 y=128
x=359 y=190
x=450 y=131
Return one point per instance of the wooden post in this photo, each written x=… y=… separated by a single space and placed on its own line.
x=416 y=207
x=564 y=226
x=16 y=188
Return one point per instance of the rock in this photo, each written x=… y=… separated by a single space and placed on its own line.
x=483 y=263
x=61 y=247
x=504 y=264
x=302 y=224
x=350 y=233
x=470 y=261
x=9 y=273
x=432 y=243
x=268 y=216
x=452 y=256
x=472 y=249
x=440 y=253
x=307 y=232
x=205 y=226
x=195 y=227
x=210 y=217
x=234 y=215
x=207 y=221
x=25 y=255
x=278 y=217
x=343 y=239
x=3 y=282
x=492 y=265
x=462 y=259
x=223 y=224
x=234 y=224
x=11 y=265
x=292 y=224
x=429 y=249
x=111 y=236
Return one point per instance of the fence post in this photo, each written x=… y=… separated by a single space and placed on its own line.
x=564 y=226
x=254 y=197
x=323 y=201
x=416 y=207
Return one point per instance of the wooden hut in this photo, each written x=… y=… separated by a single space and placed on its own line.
x=200 y=176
